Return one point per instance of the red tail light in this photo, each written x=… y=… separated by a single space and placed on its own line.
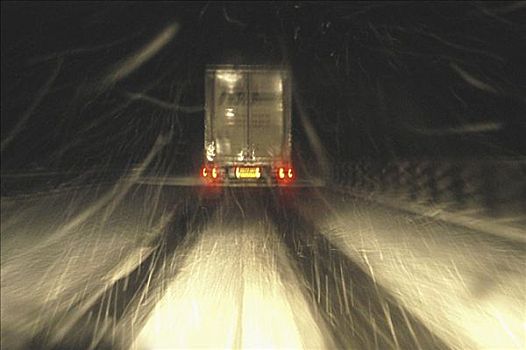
x=210 y=173
x=281 y=173
x=290 y=173
x=285 y=175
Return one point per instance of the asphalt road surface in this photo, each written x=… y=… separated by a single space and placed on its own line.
x=161 y=267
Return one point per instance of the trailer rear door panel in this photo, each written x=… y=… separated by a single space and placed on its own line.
x=248 y=112
x=229 y=119
x=266 y=113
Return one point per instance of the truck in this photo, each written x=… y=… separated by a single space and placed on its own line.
x=247 y=139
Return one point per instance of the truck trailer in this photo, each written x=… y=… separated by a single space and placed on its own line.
x=247 y=139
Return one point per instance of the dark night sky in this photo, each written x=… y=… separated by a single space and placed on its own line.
x=376 y=79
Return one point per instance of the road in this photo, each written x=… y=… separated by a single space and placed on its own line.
x=158 y=267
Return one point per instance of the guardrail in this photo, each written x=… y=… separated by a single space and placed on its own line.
x=485 y=182
x=486 y=192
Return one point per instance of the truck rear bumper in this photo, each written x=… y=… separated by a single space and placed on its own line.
x=248 y=174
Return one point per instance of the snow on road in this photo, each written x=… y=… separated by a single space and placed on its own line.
x=163 y=269
x=236 y=289
x=466 y=287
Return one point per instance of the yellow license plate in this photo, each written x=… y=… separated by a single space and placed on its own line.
x=248 y=173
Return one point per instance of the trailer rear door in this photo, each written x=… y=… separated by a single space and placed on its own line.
x=265 y=117
x=246 y=112
x=229 y=115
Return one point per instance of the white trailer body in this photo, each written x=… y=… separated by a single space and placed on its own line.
x=247 y=125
